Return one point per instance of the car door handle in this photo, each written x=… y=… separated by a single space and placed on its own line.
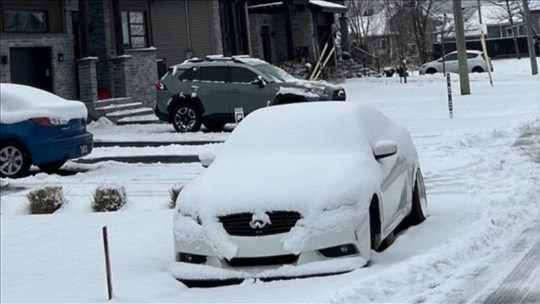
x=195 y=88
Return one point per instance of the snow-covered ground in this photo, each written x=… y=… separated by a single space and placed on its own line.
x=481 y=171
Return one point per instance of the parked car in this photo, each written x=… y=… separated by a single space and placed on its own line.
x=475 y=63
x=39 y=128
x=290 y=197
x=219 y=90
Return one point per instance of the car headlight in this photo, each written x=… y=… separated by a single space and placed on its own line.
x=195 y=218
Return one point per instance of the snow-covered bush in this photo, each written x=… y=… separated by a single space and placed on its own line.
x=109 y=198
x=174 y=192
x=46 y=200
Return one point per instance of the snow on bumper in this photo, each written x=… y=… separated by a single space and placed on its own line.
x=192 y=272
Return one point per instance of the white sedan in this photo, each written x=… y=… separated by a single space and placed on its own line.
x=298 y=190
x=475 y=64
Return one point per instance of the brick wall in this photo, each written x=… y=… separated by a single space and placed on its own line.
x=100 y=40
x=63 y=73
x=137 y=73
x=302 y=29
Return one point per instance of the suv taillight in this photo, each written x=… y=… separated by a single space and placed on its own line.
x=159 y=86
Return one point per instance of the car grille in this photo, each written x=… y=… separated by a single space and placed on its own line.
x=263 y=261
x=238 y=224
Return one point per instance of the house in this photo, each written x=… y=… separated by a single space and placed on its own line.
x=184 y=29
x=500 y=31
x=294 y=29
x=104 y=52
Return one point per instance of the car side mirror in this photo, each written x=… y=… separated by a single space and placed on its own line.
x=384 y=148
x=259 y=81
x=207 y=158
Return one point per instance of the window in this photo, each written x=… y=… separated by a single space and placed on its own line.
x=134 y=29
x=25 y=21
x=214 y=74
x=382 y=44
x=185 y=74
x=451 y=57
x=472 y=55
x=242 y=75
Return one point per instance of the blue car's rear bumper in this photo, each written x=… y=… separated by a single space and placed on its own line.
x=63 y=148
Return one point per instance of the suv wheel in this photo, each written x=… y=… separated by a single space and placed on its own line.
x=186 y=118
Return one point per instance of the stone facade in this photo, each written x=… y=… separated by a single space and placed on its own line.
x=100 y=41
x=135 y=74
x=63 y=72
x=302 y=31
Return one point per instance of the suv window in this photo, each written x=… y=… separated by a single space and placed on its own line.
x=185 y=74
x=218 y=74
x=242 y=75
x=471 y=55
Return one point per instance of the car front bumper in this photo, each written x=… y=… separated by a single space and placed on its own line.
x=269 y=257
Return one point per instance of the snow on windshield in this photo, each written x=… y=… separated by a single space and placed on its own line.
x=20 y=102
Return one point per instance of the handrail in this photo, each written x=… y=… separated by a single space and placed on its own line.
x=365 y=52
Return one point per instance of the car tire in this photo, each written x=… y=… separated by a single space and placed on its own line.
x=15 y=160
x=431 y=71
x=419 y=201
x=477 y=69
x=52 y=167
x=214 y=126
x=186 y=118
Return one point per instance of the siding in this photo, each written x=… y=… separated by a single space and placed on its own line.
x=170 y=29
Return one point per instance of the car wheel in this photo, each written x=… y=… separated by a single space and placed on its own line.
x=186 y=118
x=214 y=126
x=14 y=160
x=419 y=201
x=51 y=167
x=477 y=69
x=431 y=71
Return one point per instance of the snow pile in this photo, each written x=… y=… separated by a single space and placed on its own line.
x=297 y=91
x=20 y=102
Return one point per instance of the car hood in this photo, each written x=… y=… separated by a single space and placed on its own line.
x=304 y=183
x=326 y=86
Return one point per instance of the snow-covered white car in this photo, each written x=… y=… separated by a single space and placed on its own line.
x=475 y=63
x=298 y=190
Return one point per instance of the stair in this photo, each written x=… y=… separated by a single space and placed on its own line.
x=124 y=110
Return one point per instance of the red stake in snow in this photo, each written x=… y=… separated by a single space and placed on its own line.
x=107 y=262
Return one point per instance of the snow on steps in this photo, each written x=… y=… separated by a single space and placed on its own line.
x=124 y=110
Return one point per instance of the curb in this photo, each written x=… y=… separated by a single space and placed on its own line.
x=164 y=159
x=153 y=143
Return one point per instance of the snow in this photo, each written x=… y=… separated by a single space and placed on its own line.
x=327 y=4
x=481 y=173
x=296 y=91
x=20 y=102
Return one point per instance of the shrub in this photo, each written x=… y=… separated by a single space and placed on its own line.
x=109 y=198
x=174 y=192
x=46 y=200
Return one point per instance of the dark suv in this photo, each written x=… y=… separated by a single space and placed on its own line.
x=219 y=90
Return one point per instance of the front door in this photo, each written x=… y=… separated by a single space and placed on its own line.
x=32 y=67
x=244 y=94
x=266 y=43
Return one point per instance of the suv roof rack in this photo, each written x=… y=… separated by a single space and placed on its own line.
x=235 y=58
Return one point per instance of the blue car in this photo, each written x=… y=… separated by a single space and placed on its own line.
x=39 y=128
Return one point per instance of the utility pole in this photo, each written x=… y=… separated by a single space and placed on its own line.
x=530 y=41
x=461 y=48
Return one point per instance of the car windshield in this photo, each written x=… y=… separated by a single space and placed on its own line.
x=275 y=73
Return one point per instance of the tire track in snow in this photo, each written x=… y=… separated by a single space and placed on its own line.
x=518 y=259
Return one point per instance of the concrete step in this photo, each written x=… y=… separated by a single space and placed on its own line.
x=112 y=101
x=103 y=111
x=117 y=115
x=139 y=120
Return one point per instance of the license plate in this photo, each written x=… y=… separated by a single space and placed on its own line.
x=84 y=149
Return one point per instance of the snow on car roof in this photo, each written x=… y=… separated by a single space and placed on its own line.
x=20 y=102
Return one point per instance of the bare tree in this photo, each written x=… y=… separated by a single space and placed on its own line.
x=359 y=19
